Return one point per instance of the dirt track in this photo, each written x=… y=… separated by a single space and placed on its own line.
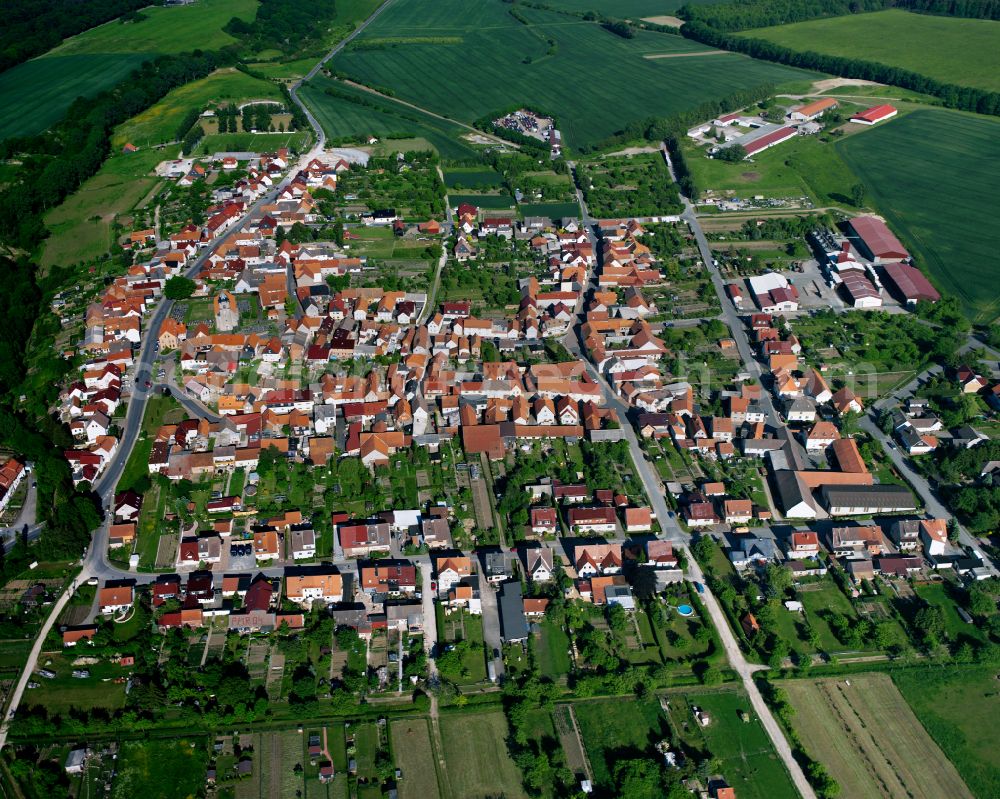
x=699 y=54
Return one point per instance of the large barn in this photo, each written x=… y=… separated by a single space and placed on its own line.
x=875 y=241
x=910 y=284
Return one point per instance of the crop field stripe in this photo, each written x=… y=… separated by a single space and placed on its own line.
x=870 y=740
x=509 y=63
x=655 y=56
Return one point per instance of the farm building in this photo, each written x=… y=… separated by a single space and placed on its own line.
x=875 y=241
x=762 y=138
x=773 y=292
x=910 y=284
x=875 y=114
x=811 y=111
x=857 y=500
x=860 y=291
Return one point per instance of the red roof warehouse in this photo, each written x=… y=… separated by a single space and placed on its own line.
x=876 y=241
x=877 y=113
x=910 y=283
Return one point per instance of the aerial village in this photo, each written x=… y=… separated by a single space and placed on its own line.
x=294 y=368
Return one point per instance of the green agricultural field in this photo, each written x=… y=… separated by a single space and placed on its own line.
x=81 y=227
x=551 y=649
x=476 y=756
x=956 y=705
x=489 y=202
x=933 y=174
x=258 y=142
x=501 y=62
x=960 y=51
x=471 y=178
x=551 y=210
x=354 y=114
x=160 y=769
x=160 y=122
x=37 y=93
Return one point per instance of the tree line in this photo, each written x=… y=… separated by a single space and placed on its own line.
x=715 y=26
x=963 y=98
x=32 y=27
x=741 y=15
x=56 y=163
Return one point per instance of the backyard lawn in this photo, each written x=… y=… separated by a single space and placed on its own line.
x=476 y=756
x=160 y=769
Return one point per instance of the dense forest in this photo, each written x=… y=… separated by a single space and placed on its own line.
x=32 y=27
x=69 y=515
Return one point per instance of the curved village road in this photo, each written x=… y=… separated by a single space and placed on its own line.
x=95 y=562
x=668 y=523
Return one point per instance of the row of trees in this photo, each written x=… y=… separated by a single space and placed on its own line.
x=30 y=27
x=964 y=98
x=54 y=165
x=745 y=14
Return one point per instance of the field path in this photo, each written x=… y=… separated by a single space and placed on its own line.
x=437 y=744
x=469 y=128
x=699 y=54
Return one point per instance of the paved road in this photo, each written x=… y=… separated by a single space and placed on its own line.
x=446 y=229
x=27 y=514
x=491 y=624
x=430 y=618
x=669 y=525
x=932 y=504
x=293 y=90
x=36 y=650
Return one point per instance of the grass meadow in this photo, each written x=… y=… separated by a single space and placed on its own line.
x=160 y=769
x=80 y=228
x=37 y=93
x=614 y=729
x=933 y=174
x=802 y=167
x=476 y=756
x=414 y=755
x=468 y=61
x=960 y=51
